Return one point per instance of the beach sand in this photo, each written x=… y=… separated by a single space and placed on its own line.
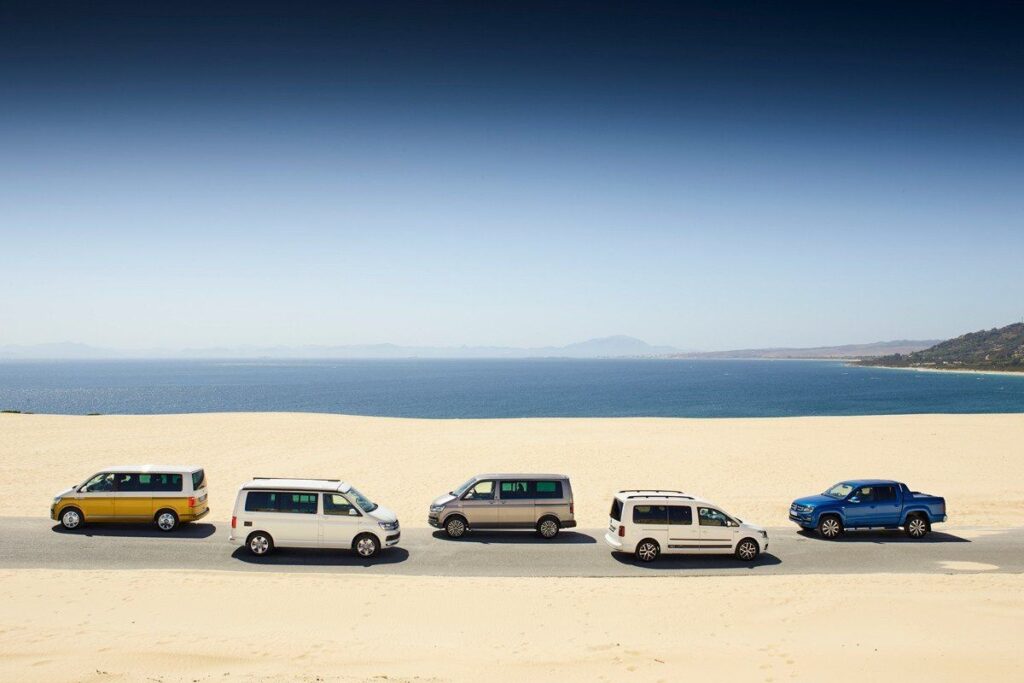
x=67 y=625
x=752 y=467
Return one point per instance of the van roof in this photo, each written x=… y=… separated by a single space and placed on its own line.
x=520 y=475
x=152 y=468
x=300 y=484
x=662 y=496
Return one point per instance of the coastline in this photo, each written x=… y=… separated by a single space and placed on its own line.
x=942 y=371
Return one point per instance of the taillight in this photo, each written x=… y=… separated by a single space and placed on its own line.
x=191 y=501
x=622 y=530
x=234 y=522
x=572 y=507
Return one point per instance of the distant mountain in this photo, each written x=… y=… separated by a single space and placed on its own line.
x=996 y=349
x=619 y=346
x=847 y=351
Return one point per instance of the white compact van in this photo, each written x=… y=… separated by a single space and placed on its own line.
x=310 y=513
x=648 y=523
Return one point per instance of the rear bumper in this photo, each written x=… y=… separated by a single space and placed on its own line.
x=194 y=517
x=568 y=524
x=613 y=541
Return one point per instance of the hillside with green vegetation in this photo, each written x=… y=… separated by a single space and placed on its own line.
x=996 y=349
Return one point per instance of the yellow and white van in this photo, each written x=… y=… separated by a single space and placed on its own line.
x=166 y=495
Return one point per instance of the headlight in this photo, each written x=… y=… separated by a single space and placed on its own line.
x=388 y=526
x=56 y=499
x=436 y=508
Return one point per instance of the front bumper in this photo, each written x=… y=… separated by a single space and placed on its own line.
x=434 y=520
x=392 y=539
x=804 y=519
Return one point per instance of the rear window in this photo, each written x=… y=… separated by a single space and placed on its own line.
x=198 y=480
x=650 y=514
x=133 y=482
x=546 y=489
x=280 y=501
x=616 y=512
x=680 y=514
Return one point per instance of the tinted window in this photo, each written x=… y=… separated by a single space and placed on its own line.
x=866 y=494
x=160 y=482
x=513 y=490
x=261 y=501
x=198 y=480
x=100 y=483
x=650 y=514
x=484 y=490
x=129 y=482
x=680 y=514
x=546 y=489
x=277 y=501
x=336 y=504
x=885 y=493
x=616 y=512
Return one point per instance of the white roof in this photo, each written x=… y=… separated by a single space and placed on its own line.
x=301 y=484
x=662 y=496
x=164 y=469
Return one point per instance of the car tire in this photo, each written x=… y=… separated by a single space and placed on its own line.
x=366 y=546
x=260 y=543
x=72 y=519
x=830 y=527
x=548 y=527
x=456 y=526
x=647 y=550
x=747 y=550
x=917 y=526
x=166 y=520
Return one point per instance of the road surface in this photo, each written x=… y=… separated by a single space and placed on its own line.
x=40 y=543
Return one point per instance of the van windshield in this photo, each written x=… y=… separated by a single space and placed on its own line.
x=364 y=503
x=465 y=487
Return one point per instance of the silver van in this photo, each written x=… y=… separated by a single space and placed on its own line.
x=542 y=502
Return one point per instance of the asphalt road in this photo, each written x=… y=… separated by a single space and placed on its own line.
x=39 y=543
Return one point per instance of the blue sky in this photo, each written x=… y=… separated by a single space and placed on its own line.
x=453 y=174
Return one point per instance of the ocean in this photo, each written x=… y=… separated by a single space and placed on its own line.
x=499 y=388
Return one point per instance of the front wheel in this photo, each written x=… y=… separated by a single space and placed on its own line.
x=366 y=546
x=830 y=527
x=455 y=527
x=917 y=527
x=647 y=551
x=71 y=519
x=747 y=550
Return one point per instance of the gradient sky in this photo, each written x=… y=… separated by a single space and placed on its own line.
x=709 y=175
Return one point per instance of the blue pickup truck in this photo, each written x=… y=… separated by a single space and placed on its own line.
x=868 y=503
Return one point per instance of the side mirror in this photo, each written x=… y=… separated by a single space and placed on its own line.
x=352 y=512
x=855 y=499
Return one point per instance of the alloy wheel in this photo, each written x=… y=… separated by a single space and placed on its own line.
x=71 y=519
x=166 y=521
x=917 y=527
x=647 y=551
x=259 y=545
x=366 y=546
x=747 y=550
x=548 y=528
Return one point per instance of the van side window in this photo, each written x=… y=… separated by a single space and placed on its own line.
x=680 y=514
x=514 y=490
x=261 y=501
x=297 y=502
x=650 y=514
x=546 y=489
x=100 y=483
x=335 y=504
x=484 y=490
x=159 y=482
x=129 y=481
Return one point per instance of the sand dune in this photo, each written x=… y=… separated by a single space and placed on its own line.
x=170 y=626
x=753 y=467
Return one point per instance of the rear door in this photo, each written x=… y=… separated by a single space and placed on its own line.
x=651 y=521
x=515 y=504
x=549 y=498
x=339 y=521
x=683 y=534
x=887 y=505
x=133 y=500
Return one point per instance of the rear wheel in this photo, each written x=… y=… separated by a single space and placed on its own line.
x=917 y=526
x=71 y=519
x=830 y=527
x=259 y=543
x=166 y=520
x=647 y=550
x=455 y=527
x=366 y=545
x=548 y=527
x=747 y=550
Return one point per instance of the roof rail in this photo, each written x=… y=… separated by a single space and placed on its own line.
x=649 y=491
x=297 y=479
x=650 y=495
